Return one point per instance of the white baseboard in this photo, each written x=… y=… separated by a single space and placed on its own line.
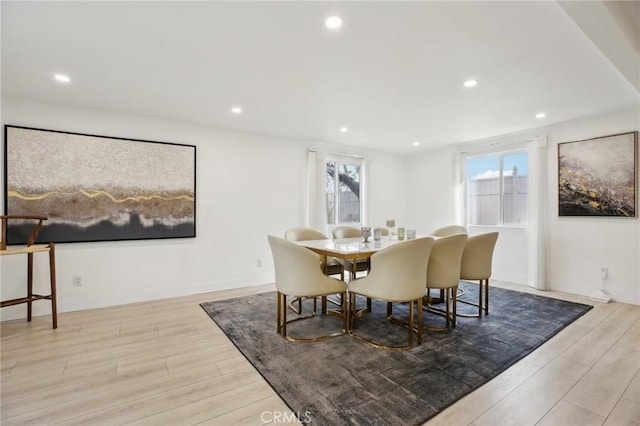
x=510 y=278
x=617 y=295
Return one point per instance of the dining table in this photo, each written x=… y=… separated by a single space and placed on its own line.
x=352 y=249
x=349 y=249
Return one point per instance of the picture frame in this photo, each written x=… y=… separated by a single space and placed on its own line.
x=598 y=176
x=97 y=188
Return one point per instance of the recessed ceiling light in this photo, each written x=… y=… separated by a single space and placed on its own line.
x=470 y=83
x=236 y=110
x=62 y=78
x=333 y=22
x=344 y=129
x=415 y=143
x=541 y=115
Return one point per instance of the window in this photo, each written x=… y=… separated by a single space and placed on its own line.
x=497 y=188
x=343 y=189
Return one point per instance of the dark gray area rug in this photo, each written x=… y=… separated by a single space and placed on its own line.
x=343 y=381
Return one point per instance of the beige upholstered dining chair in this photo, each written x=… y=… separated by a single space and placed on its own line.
x=476 y=265
x=303 y=234
x=346 y=232
x=298 y=275
x=445 y=231
x=397 y=275
x=306 y=234
x=351 y=232
x=443 y=273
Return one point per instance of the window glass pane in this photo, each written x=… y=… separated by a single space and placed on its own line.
x=483 y=194
x=497 y=189
x=515 y=188
x=343 y=192
x=331 y=192
x=349 y=193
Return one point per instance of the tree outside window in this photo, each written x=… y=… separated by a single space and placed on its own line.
x=343 y=185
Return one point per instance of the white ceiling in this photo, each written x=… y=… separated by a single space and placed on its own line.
x=393 y=74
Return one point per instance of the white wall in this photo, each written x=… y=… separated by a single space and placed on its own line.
x=247 y=186
x=250 y=185
x=511 y=253
x=577 y=247
x=431 y=190
x=387 y=190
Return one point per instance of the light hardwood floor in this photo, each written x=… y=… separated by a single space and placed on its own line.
x=166 y=362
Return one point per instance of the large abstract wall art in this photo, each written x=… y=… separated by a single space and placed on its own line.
x=98 y=188
x=597 y=177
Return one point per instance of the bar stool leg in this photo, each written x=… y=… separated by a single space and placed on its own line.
x=29 y=284
x=52 y=276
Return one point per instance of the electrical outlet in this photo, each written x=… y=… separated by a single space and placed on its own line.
x=77 y=281
x=259 y=263
x=604 y=272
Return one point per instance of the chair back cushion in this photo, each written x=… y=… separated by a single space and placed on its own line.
x=445 y=231
x=346 y=232
x=297 y=270
x=397 y=272
x=445 y=261
x=478 y=256
x=303 y=234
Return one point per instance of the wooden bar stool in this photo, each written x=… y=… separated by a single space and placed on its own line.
x=29 y=250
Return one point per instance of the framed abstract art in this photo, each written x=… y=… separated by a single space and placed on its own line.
x=98 y=188
x=598 y=177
